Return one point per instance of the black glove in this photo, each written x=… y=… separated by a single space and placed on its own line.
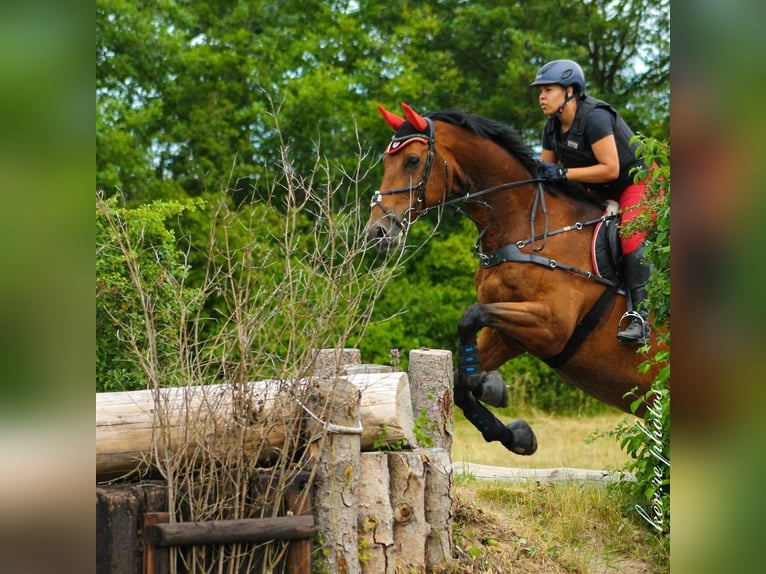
x=551 y=172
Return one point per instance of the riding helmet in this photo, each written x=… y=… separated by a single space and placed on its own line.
x=563 y=72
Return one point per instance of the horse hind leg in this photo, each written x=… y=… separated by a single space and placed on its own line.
x=516 y=436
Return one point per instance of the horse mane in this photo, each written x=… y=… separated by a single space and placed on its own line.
x=509 y=139
x=502 y=134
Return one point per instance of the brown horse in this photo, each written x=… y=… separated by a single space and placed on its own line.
x=535 y=283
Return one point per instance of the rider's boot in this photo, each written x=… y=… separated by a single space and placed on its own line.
x=636 y=331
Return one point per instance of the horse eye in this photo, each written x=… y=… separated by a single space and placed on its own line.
x=411 y=161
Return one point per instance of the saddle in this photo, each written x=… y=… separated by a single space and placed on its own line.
x=606 y=250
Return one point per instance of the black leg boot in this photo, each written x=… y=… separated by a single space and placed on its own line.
x=634 y=325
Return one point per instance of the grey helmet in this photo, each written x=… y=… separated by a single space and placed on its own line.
x=563 y=72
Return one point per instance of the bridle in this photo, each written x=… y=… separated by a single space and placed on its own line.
x=420 y=208
x=507 y=253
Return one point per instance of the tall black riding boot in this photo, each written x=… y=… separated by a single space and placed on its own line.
x=636 y=323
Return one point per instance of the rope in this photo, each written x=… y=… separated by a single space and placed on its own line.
x=328 y=426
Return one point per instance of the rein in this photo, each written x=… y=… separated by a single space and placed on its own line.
x=507 y=253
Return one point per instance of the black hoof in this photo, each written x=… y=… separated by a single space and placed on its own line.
x=492 y=390
x=523 y=440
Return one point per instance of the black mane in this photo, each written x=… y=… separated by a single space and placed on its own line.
x=499 y=133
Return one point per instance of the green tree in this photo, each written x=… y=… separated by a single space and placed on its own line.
x=197 y=98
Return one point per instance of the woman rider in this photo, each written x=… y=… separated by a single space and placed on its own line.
x=585 y=140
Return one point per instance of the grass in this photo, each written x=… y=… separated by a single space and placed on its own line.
x=562 y=441
x=534 y=527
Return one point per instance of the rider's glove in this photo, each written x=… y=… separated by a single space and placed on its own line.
x=551 y=172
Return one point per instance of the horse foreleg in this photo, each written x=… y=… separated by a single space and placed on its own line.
x=517 y=436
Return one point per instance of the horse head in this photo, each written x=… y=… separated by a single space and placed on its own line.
x=409 y=187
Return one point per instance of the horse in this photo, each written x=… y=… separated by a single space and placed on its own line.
x=537 y=287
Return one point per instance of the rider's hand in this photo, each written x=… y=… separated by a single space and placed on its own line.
x=551 y=172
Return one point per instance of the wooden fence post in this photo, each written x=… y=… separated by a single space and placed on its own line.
x=375 y=516
x=334 y=410
x=431 y=378
x=407 y=502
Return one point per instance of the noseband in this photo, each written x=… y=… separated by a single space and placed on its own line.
x=420 y=203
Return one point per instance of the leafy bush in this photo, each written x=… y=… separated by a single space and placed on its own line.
x=140 y=289
x=648 y=442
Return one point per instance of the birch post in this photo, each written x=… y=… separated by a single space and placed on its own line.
x=336 y=404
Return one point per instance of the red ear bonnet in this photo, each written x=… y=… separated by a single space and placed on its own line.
x=417 y=121
x=391 y=119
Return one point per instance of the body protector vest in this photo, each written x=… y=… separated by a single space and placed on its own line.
x=573 y=150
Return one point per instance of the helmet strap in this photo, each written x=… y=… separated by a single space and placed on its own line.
x=567 y=99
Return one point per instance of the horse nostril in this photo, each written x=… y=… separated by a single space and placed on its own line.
x=381 y=233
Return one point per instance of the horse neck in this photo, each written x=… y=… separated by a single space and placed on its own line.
x=509 y=217
x=502 y=216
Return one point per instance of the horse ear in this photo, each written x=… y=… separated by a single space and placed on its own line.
x=391 y=119
x=418 y=121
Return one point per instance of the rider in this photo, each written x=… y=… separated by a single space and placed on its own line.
x=585 y=140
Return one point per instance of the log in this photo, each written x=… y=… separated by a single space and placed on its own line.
x=136 y=429
x=431 y=379
x=336 y=483
x=231 y=531
x=408 y=503
x=385 y=409
x=375 y=515
x=438 y=509
x=485 y=472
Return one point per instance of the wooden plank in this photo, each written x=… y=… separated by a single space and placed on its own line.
x=298 y=559
x=485 y=472
x=231 y=531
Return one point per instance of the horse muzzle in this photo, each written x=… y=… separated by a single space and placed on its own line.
x=384 y=234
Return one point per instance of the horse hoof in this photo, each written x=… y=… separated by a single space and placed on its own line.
x=523 y=440
x=492 y=390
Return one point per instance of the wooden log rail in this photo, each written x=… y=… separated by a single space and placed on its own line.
x=231 y=531
x=131 y=426
x=398 y=504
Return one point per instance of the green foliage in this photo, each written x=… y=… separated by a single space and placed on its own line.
x=187 y=93
x=140 y=289
x=197 y=98
x=648 y=441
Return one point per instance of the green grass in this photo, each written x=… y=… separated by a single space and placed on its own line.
x=562 y=441
x=588 y=528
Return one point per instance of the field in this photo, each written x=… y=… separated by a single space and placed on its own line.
x=530 y=527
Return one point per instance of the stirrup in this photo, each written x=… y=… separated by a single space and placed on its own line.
x=640 y=340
